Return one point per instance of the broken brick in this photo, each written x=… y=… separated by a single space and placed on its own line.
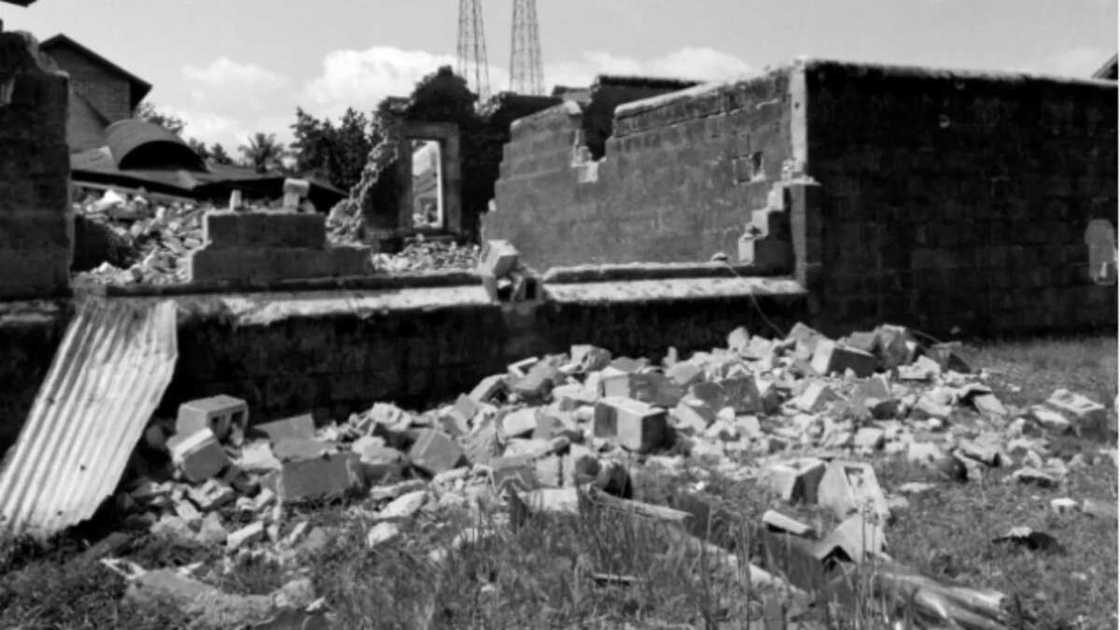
x=830 y=357
x=316 y=479
x=847 y=487
x=498 y=258
x=198 y=455
x=797 y=480
x=777 y=521
x=297 y=449
x=520 y=422
x=301 y=426
x=251 y=533
x=632 y=424
x=1087 y=417
x=859 y=537
x=816 y=397
x=435 y=452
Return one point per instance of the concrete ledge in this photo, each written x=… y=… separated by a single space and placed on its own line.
x=264 y=229
x=674 y=289
x=277 y=263
x=367 y=282
x=640 y=271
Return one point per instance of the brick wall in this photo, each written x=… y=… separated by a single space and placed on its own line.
x=36 y=226
x=679 y=179
x=958 y=199
x=109 y=92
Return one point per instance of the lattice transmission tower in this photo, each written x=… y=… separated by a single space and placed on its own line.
x=526 y=72
x=472 y=48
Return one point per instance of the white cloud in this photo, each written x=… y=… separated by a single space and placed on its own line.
x=1082 y=62
x=224 y=73
x=361 y=78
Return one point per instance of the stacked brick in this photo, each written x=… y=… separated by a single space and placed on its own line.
x=960 y=200
x=36 y=227
x=264 y=247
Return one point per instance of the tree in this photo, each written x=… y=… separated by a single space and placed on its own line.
x=199 y=147
x=337 y=153
x=148 y=111
x=218 y=154
x=263 y=152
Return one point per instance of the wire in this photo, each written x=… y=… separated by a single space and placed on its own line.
x=754 y=301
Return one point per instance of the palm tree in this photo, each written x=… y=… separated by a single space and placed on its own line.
x=262 y=152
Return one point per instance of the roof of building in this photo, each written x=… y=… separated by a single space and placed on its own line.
x=140 y=87
x=1107 y=71
x=136 y=143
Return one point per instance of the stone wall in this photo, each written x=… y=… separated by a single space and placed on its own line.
x=36 y=226
x=681 y=175
x=958 y=200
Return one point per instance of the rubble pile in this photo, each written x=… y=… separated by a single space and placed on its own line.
x=798 y=416
x=420 y=254
x=155 y=234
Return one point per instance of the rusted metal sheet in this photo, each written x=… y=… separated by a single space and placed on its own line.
x=672 y=289
x=107 y=377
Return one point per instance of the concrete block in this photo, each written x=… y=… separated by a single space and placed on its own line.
x=1088 y=418
x=519 y=423
x=684 y=373
x=197 y=455
x=435 y=452
x=796 y=481
x=223 y=230
x=538 y=381
x=298 y=449
x=251 y=533
x=693 y=415
x=804 y=339
x=316 y=479
x=590 y=358
x=515 y=473
x=868 y=439
x=481 y=445
x=498 y=258
x=211 y=531
x=741 y=394
x=892 y=347
x=831 y=357
x=257 y=456
x=1050 y=419
x=301 y=426
x=379 y=463
x=631 y=424
x=816 y=397
x=219 y=413
x=849 y=486
x=858 y=536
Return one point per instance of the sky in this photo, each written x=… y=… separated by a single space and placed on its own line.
x=233 y=67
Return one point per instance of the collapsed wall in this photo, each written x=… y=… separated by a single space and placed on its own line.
x=941 y=200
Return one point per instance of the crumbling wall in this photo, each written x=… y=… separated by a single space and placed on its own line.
x=681 y=175
x=958 y=199
x=441 y=97
x=36 y=226
x=607 y=93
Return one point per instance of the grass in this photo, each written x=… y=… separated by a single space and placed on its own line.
x=545 y=572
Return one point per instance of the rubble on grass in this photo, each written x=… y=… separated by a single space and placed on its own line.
x=561 y=432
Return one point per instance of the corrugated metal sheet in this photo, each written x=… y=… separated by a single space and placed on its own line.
x=107 y=377
x=671 y=289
